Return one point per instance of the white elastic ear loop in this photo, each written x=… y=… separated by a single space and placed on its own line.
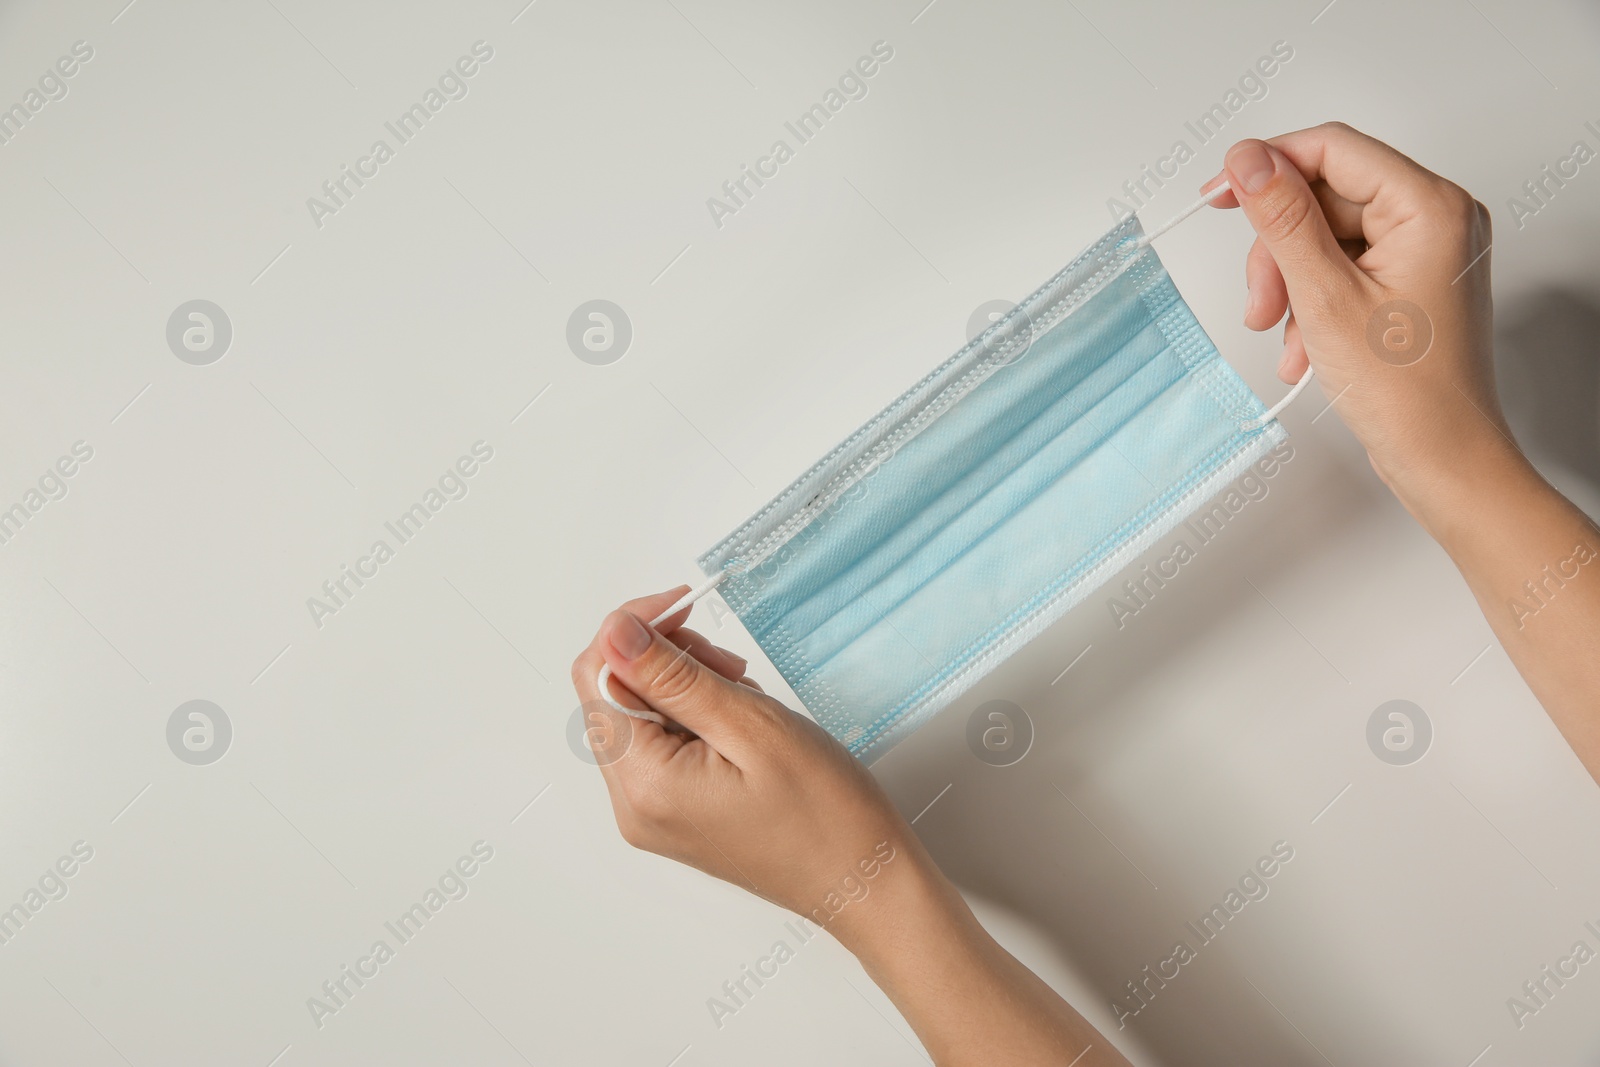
x=603 y=679
x=1144 y=242
x=1288 y=398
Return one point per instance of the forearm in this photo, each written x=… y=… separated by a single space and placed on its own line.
x=1532 y=560
x=969 y=1000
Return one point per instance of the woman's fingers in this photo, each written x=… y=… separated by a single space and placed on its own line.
x=1293 y=363
x=719 y=659
x=1227 y=199
x=728 y=664
x=585 y=680
x=1344 y=216
x=1319 y=277
x=1364 y=187
x=648 y=607
x=678 y=685
x=1269 y=297
x=1386 y=186
x=611 y=734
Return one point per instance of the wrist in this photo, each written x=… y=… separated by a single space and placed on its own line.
x=1449 y=495
x=910 y=900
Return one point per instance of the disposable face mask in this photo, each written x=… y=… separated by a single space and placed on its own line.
x=992 y=496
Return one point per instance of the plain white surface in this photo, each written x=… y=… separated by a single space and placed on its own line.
x=369 y=754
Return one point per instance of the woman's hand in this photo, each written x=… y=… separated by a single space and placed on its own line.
x=744 y=789
x=741 y=787
x=1383 y=269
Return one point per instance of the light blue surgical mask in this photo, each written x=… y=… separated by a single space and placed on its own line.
x=991 y=497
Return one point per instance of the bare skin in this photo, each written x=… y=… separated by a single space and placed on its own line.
x=749 y=791
x=1346 y=224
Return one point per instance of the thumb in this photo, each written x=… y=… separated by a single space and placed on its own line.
x=1286 y=215
x=670 y=680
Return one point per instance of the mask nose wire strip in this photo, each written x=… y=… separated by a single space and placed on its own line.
x=1144 y=242
x=603 y=679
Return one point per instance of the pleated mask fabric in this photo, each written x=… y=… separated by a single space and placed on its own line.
x=992 y=496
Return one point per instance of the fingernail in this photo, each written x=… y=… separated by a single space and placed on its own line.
x=629 y=637
x=1250 y=302
x=738 y=659
x=1251 y=166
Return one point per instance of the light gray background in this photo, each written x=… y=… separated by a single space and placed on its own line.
x=370 y=353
